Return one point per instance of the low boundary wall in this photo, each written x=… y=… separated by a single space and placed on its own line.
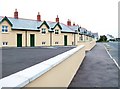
x=54 y=72
x=62 y=74
x=88 y=45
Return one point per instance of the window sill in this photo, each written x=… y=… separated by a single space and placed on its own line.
x=4 y=45
x=56 y=34
x=5 y=32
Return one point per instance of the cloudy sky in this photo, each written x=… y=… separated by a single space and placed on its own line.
x=95 y=15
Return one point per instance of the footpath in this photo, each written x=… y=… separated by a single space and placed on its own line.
x=97 y=70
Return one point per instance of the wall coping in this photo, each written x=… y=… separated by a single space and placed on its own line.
x=22 y=78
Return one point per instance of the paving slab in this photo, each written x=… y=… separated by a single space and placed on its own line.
x=97 y=70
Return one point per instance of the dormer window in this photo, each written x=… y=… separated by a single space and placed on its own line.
x=56 y=31
x=43 y=30
x=4 y=28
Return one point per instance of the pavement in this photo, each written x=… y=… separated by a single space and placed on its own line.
x=97 y=70
x=16 y=59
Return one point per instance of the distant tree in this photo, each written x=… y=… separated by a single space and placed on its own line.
x=103 y=38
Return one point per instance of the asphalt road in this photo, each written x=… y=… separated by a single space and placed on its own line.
x=97 y=70
x=16 y=59
x=113 y=49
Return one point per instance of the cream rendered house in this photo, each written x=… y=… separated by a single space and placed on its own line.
x=18 y=32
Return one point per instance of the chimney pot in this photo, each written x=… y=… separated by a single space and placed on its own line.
x=74 y=24
x=57 y=19
x=16 y=14
x=69 y=22
x=38 y=17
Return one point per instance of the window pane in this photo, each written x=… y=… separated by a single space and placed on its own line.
x=6 y=27
x=6 y=30
x=2 y=27
x=6 y=43
x=2 y=30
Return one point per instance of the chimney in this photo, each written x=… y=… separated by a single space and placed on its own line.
x=57 y=19
x=69 y=22
x=16 y=14
x=74 y=24
x=38 y=17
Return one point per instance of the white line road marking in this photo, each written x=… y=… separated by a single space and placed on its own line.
x=112 y=58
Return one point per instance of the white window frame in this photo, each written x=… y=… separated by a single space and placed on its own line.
x=43 y=30
x=4 y=29
x=56 y=31
x=43 y=43
x=56 y=42
x=4 y=43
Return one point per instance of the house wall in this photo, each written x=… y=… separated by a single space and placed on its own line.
x=76 y=40
x=43 y=37
x=28 y=37
x=11 y=36
x=60 y=37
x=79 y=38
x=57 y=37
x=70 y=38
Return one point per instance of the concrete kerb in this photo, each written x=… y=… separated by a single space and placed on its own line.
x=93 y=46
x=22 y=78
x=112 y=57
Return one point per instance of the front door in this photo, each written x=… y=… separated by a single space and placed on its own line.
x=19 y=40
x=65 y=40
x=32 y=40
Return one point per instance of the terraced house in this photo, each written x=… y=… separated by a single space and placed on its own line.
x=19 y=32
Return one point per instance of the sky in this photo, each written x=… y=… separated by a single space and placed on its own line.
x=95 y=15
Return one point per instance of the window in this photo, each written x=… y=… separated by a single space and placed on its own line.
x=5 y=43
x=56 y=42
x=43 y=43
x=43 y=30
x=4 y=28
x=56 y=31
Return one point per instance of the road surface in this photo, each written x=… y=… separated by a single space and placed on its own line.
x=113 y=49
x=16 y=59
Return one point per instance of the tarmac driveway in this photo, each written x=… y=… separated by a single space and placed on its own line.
x=16 y=59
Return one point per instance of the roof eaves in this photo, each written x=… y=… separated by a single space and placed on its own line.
x=44 y=22
x=23 y=29
x=5 y=18
x=68 y=31
x=58 y=24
